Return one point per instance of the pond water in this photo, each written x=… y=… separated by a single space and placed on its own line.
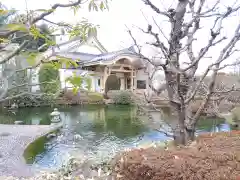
x=95 y=132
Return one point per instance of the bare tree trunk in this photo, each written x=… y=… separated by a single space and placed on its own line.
x=185 y=132
x=184 y=136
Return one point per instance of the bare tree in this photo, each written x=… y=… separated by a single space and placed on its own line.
x=19 y=34
x=182 y=85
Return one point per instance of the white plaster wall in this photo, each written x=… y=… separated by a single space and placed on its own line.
x=141 y=75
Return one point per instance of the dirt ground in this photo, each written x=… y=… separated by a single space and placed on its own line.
x=211 y=157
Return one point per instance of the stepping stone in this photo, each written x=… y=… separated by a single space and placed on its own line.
x=18 y=122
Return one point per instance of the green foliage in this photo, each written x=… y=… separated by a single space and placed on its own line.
x=81 y=97
x=122 y=98
x=78 y=81
x=35 y=101
x=88 y=82
x=82 y=29
x=49 y=78
x=95 y=6
x=40 y=37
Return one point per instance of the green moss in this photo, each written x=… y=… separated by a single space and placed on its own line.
x=36 y=147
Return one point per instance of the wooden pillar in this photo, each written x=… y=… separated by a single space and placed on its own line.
x=122 y=83
x=132 y=80
x=101 y=84
x=106 y=73
x=126 y=85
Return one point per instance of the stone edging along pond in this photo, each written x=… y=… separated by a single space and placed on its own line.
x=14 y=141
x=30 y=147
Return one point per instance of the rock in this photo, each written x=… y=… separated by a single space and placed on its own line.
x=14 y=106
x=18 y=122
x=77 y=137
x=52 y=135
x=108 y=101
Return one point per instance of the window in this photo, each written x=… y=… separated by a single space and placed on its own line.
x=141 y=84
x=98 y=82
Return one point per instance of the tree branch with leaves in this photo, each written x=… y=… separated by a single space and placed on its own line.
x=24 y=31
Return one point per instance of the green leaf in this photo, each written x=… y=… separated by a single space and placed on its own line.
x=31 y=58
x=57 y=65
x=88 y=82
x=75 y=9
x=75 y=90
x=106 y=4
x=76 y=81
x=35 y=33
x=74 y=64
x=102 y=7
x=17 y=27
x=90 y=6
x=95 y=7
x=4 y=40
x=3 y=12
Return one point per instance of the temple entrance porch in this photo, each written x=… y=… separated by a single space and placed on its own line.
x=125 y=74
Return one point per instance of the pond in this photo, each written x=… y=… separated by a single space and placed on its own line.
x=94 y=132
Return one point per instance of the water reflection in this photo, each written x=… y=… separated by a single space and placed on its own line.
x=101 y=131
x=29 y=116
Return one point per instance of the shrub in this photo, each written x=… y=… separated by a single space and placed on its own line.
x=122 y=98
x=33 y=101
x=81 y=97
x=49 y=78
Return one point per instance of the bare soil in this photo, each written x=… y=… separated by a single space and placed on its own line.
x=211 y=157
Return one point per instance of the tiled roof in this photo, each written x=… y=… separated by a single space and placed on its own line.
x=112 y=55
x=86 y=59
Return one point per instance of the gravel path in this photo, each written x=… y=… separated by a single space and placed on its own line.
x=13 y=141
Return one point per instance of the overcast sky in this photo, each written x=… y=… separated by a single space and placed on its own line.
x=112 y=33
x=112 y=23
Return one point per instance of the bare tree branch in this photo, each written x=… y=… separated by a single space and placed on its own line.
x=14 y=53
x=182 y=84
x=157 y=10
x=41 y=16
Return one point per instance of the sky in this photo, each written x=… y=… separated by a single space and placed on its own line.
x=112 y=23
x=132 y=14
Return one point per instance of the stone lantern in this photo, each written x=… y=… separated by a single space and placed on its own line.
x=55 y=116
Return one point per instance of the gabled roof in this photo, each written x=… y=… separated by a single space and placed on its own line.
x=104 y=58
x=111 y=57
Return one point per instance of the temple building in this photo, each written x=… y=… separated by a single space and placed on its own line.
x=97 y=63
